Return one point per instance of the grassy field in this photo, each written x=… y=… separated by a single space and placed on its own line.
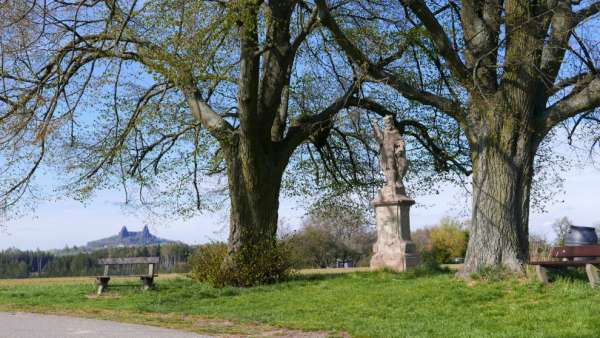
x=359 y=304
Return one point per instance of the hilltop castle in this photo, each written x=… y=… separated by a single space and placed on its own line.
x=128 y=238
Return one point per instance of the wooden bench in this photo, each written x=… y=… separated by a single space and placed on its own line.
x=564 y=257
x=147 y=280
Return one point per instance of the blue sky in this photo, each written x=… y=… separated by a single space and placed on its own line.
x=67 y=222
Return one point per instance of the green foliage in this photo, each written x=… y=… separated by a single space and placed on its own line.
x=442 y=242
x=256 y=265
x=314 y=247
x=206 y=263
x=329 y=235
x=211 y=264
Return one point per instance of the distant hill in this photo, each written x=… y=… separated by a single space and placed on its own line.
x=127 y=238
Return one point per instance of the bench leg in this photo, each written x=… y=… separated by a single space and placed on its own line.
x=592 y=273
x=542 y=273
x=147 y=283
x=102 y=284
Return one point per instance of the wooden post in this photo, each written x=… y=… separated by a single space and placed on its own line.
x=102 y=284
x=147 y=282
x=592 y=273
x=151 y=269
x=106 y=269
x=542 y=273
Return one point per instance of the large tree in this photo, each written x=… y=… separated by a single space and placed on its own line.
x=512 y=70
x=188 y=62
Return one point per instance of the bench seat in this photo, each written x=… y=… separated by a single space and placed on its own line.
x=561 y=264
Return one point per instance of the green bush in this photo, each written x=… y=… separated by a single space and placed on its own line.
x=443 y=242
x=248 y=267
x=257 y=265
x=206 y=263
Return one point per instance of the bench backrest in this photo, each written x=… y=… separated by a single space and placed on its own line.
x=129 y=260
x=575 y=251
x=151 y=261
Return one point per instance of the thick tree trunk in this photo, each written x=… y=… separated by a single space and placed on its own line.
x=502 y=177
x=254 y=186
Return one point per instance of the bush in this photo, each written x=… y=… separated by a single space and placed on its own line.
x=255 y=266
x=211 y=265
x=443 y=242
x=206 y=263
x=324 y=239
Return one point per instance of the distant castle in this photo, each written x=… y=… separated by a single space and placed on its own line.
x=128 y=238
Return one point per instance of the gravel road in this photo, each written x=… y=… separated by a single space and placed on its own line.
x=27 y=325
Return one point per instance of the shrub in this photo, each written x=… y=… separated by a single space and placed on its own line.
x=255 y=266
x=210 y=264
x=323 y=239
x=443 y=242
x=206 y=263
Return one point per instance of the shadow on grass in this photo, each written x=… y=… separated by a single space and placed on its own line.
x=319 y=276
x=570 y=274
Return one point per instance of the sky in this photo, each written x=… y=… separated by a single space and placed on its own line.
x=55 y=225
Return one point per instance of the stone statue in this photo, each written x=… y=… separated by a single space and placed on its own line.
x=393 y=248
x=392 y=157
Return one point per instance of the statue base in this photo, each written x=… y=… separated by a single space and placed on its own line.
x=394 y=248
x=396 y=257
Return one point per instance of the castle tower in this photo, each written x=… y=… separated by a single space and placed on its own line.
x=145 y=232
x=123 y=233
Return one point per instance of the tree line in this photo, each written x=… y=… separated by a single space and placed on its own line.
x=76 y=262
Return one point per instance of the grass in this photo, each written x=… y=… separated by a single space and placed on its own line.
x=361 y=304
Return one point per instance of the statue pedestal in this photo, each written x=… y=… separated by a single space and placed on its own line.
x=393 y=248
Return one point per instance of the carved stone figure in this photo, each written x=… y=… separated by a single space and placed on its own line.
x=392 y=158
x=394 y=248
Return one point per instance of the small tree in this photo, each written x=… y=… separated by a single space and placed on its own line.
x=327 y=237
x=560 y=227
x=442 y=242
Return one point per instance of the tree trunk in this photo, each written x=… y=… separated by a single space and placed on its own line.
x=502 y=175
x=254 y=185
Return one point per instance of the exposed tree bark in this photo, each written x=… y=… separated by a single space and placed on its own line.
x=254 y=178
x=505 y=133
x=502 y=177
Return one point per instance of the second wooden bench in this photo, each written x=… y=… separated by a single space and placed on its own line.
x=565 y=256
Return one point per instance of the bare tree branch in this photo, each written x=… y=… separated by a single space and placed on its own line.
x=586 y=99
x=450 y=107
x=440 y=39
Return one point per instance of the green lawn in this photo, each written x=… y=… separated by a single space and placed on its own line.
x=362 y=304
